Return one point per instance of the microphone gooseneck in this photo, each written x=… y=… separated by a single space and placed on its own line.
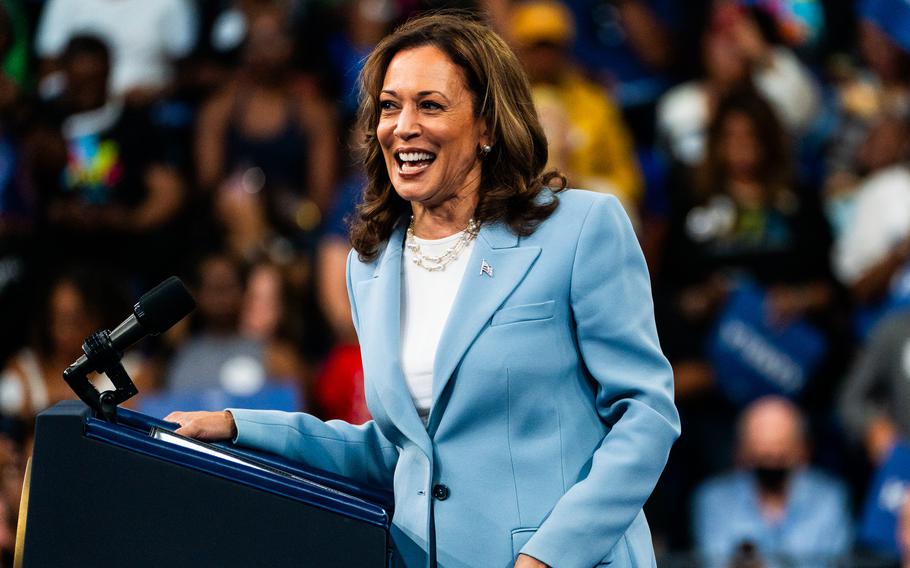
x=156 y=311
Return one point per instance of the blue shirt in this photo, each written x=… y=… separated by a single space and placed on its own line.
x=815 y=528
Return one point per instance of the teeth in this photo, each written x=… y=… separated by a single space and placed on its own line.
x=409 y=167
x=415 y=156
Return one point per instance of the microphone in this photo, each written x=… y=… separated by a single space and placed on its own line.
x=156 y=311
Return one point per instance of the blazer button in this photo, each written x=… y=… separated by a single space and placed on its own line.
x=440 y=492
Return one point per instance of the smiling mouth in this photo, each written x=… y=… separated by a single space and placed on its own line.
x=413 y=162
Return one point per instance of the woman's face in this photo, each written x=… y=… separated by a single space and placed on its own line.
x=220 y=293
x=268 y=49
x=724 y=62
x=739 y=145
x=86 y=79
x=262 y=305
x=70 y=323
x=427 y=129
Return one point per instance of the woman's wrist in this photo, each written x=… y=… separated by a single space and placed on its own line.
x=233 y=423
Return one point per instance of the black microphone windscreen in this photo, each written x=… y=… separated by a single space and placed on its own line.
x=164 y=305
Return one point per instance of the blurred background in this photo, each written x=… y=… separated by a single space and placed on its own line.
x=761 y=147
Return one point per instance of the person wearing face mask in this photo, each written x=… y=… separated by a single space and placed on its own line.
x=522 y=408
x=786 y=512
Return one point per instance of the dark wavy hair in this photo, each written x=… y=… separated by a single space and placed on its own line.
x=775 y=168
x=512 y=177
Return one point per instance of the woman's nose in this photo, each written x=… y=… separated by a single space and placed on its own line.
x=408 y=125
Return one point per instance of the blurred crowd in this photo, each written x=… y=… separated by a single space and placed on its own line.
x=761 y=148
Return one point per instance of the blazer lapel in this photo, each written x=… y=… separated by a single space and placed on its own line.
x=497 y=265
x=379 y=304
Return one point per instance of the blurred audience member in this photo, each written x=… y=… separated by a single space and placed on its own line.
x=588 y=140
x=17 y=202
x=776 y=505
x=145 y=39
x=268 y=315
x=875 y=402
x=338 y=390
x=737 y=51
x=744 y=217
x=77 y=305
x=16 y=57
x=266 y=145
x=365 y=22
x=108 y=192
x=886 y=144
x=873 y=243
x=331 y=259
x=230 y=25
x=630 y=47
x=225 y=29
x=217 y=355
x=873 y=96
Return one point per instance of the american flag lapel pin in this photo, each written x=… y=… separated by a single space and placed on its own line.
x=486 y=268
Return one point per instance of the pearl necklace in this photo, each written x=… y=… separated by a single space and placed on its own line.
x=439 y=263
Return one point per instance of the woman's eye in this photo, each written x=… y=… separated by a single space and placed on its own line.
x=386 y=105
x=430 y=105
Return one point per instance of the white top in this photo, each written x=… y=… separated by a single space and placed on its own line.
x=23 y=388
x=683 y=114
x=426 y=300
x=880 y=220
x=143 y=35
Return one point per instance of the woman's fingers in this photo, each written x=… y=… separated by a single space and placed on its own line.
x=208 y=426
x=190 y=430
x=174 y=417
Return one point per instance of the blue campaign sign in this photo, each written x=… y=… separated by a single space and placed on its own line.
x=884 y=500
x=272 y=396
x=752 y=358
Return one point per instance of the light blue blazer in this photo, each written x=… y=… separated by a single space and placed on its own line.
x=552 y=413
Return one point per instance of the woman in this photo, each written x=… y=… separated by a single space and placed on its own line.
x=743 y=217
x=736 y=51
x=266 y=144
x=76 y=303
x=522 y=408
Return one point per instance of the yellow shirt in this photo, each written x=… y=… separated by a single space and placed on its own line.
x=588 y=140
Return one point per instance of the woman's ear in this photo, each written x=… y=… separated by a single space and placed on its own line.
x=486 y=136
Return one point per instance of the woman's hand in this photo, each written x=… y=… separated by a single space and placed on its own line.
x=206 y=426
x=785 y=304
x=701 y=301
x=881 y=436
x=525 y=561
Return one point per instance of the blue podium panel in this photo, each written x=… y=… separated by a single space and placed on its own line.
x=110 y=494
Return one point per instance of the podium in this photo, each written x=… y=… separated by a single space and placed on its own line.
x=113 y=494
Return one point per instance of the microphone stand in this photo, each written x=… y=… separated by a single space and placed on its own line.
x=105 y=358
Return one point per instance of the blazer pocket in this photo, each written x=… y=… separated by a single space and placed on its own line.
x=524 y=312
x=520 y=538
